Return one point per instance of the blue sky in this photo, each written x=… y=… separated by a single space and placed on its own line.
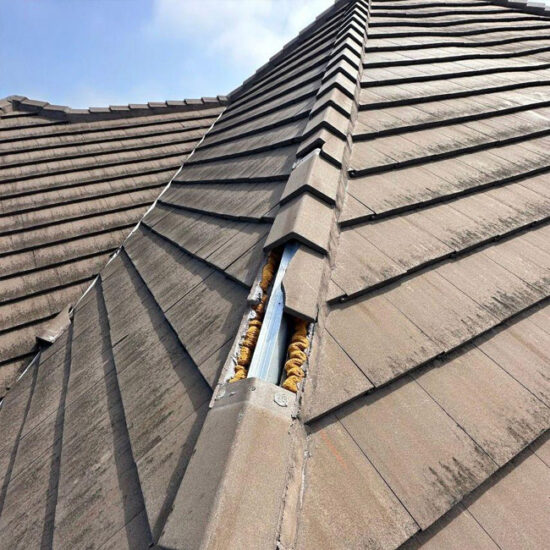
x=85 y=53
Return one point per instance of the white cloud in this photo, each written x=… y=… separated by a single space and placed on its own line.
x=241 y=32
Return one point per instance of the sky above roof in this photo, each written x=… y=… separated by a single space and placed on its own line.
x=106 y=52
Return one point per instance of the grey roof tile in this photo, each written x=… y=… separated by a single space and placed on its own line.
x=267 y=139
x=83 y=450
x=302 y=283
x=236 y=441
x=404 y=240
x=521 y=350
x=490 y=405
x=333 y=378
x=490 y=285
x=525 y=260
x=360 y=264
x=338 y=477
x=245 y=201
x=147 y=250
x=440 y=310
x=163 y=403
x=375 y=324
x=214 y=307
x=337 y=99
x=330 y=119
x=332 y=147
x=422 y=454
x=306 y=219
x=238 y=247
x=266 y=165
x=28 y=494
x=513 y=510
x=313 y=174
x=455 y=92
x=456 y=529
x=82 y=168
x=541 y=448
x=353 y=210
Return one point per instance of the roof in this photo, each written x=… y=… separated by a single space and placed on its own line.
x=402 y=145
x=74 y=182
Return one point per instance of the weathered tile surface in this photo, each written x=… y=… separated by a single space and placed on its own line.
x=425 y=457
x=73 y=184
x=425 y=405
x=441 y=270
x=339 y=478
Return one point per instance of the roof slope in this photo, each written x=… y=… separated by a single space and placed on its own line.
x=74 y=182
x=430 y=370
x=412 y=169
x=149 y=340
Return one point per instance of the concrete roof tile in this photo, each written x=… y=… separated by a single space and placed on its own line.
x=340 y=82
x=513 y=511
x=490 y=405
x=440 y=310
x=360 y=264
x=330 y=119
x=394 y=343
x=404 y=241
x=307 y=219
x=235 y=443
x=353 y=210
x=90 y=160
x=453 y=531
x=332 y=146
x=339 y=478
x=332 y=378
x=302 y=283
x=423 y=455
x=499 y=291
x=313 y=174
x=337 y=99
x=541 y=448
x=522 y=351
x=461 y=106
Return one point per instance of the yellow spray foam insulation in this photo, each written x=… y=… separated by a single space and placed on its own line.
x=299 y=343
x=255 y=324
